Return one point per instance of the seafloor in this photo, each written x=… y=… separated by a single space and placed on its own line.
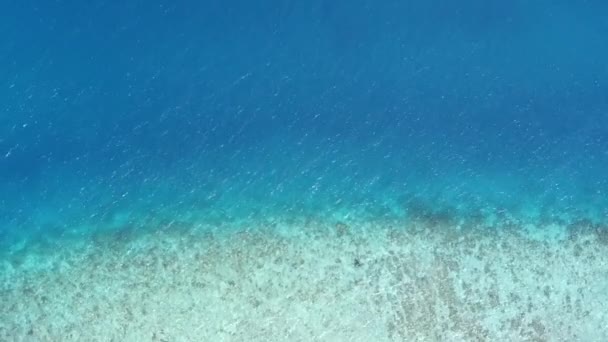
x=422 y=279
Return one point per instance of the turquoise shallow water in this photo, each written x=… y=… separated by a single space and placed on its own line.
x=290 y=182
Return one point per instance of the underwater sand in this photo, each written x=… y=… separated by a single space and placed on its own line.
x=312 y=281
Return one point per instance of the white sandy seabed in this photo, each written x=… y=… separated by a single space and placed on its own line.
x=311 y=281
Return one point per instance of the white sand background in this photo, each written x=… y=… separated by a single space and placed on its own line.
x=311 y=281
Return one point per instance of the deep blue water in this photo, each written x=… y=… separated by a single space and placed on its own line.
x=115 y=112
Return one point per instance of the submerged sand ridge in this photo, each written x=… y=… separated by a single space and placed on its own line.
x=312 y=281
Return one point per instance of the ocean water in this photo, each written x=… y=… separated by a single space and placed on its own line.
x=124 y=121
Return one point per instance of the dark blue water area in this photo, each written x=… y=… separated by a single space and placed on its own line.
x=150 y=112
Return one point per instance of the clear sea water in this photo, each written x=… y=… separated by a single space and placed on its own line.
x=134 y=114
x=322 y=170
